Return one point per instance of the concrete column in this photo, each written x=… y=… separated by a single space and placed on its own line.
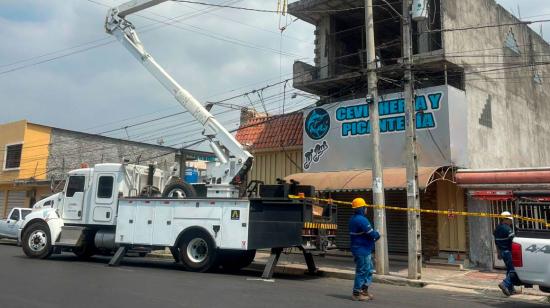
x=324 y=46
x=481 y=235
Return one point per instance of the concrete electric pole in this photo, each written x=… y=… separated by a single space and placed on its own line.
x=413 y=202
x=382 y=266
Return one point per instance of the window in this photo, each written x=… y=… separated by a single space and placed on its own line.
x=76 y=184
x=13 y=156
x=15 y=215
x=486 y=118
x=511 y=42
x=105 y=187
x=24 y=213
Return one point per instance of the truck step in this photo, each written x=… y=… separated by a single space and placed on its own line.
x=70 y=236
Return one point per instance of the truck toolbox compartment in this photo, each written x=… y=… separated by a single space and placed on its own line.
x=275 y=223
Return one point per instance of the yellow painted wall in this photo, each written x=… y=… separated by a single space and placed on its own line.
x=268 y=166
x=34 y=156
x=34 y=159
x=10 y=133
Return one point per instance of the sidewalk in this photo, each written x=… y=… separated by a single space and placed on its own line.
x=343 y=267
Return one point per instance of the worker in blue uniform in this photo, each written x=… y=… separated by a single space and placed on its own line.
x=503 y=240
x=363 y=236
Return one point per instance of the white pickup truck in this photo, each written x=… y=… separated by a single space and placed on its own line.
x=9 y=227
x=531 y=257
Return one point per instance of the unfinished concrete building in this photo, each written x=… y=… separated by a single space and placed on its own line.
x=498 y=64
x=502 y=69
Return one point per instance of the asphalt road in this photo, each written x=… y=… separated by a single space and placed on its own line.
x=63 y=281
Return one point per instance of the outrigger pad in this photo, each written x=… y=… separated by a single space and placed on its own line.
x=117 y=258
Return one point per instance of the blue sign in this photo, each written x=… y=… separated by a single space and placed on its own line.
x=317 y=124
x=355 y=118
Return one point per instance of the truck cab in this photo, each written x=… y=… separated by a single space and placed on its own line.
x=88 y=203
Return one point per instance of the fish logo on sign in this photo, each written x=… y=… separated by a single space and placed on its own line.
x=235 y=214
x=317 y=123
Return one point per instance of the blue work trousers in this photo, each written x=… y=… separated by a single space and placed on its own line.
x=508 y=281
x=363 y=272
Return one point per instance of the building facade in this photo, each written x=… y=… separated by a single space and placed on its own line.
x=34 y=159
x=494 y=66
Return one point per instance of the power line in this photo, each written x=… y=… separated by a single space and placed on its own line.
x=267 y=11
x=487 y=26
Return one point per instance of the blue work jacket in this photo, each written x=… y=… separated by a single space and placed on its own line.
x=503 y=236
x=362 y=234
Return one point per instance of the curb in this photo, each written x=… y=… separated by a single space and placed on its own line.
x=299 y=270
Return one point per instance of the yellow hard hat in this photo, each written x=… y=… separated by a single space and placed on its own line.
x=358 y=202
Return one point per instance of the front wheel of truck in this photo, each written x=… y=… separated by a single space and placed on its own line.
x=36 y=241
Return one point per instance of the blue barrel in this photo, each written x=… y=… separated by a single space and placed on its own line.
x=192 y=175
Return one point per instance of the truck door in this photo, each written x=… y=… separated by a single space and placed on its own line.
x=7 y=227
x=74 y=198
x=104 y=198
x=5 y=224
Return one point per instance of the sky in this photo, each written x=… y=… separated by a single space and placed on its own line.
x=58 y=67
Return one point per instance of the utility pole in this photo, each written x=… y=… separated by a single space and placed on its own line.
x=382 y=262
x=413 y=202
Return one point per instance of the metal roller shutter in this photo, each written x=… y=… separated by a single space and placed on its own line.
x=397 y=226
x=16 y=199
x=344 y=214
x=2 y=205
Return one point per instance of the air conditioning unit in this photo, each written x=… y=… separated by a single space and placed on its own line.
x=419 y=10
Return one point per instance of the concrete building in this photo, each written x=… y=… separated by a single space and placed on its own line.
x=34 y=159
x=489 y=72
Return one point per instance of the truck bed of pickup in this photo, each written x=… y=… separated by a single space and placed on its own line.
x=531 y=256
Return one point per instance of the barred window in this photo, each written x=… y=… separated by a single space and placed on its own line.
x=13 y=156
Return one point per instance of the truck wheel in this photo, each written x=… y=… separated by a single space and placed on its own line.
x=234 y=260
x=545 y=289
x=36 y=241
x=85 y=251
x=197 y=251
x=179 y=189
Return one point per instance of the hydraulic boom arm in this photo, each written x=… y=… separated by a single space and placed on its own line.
x=234 y=160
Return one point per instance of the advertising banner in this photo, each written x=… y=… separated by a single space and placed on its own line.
x=338 y=136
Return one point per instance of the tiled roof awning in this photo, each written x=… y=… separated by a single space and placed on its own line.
x=272 y=132
x=394 y=178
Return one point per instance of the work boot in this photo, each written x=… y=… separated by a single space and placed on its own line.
x=359 y=297
x=365 y=291
x=504 y=289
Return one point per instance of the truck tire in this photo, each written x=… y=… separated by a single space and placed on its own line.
x=545 y=289
x=85 y=251
x=234 y=260
x=197 y=250
x=179 y=189
x=36 y=241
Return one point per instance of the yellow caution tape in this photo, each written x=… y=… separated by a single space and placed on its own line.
x=436 y=212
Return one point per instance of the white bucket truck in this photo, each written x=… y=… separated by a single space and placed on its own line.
x=112 y=207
